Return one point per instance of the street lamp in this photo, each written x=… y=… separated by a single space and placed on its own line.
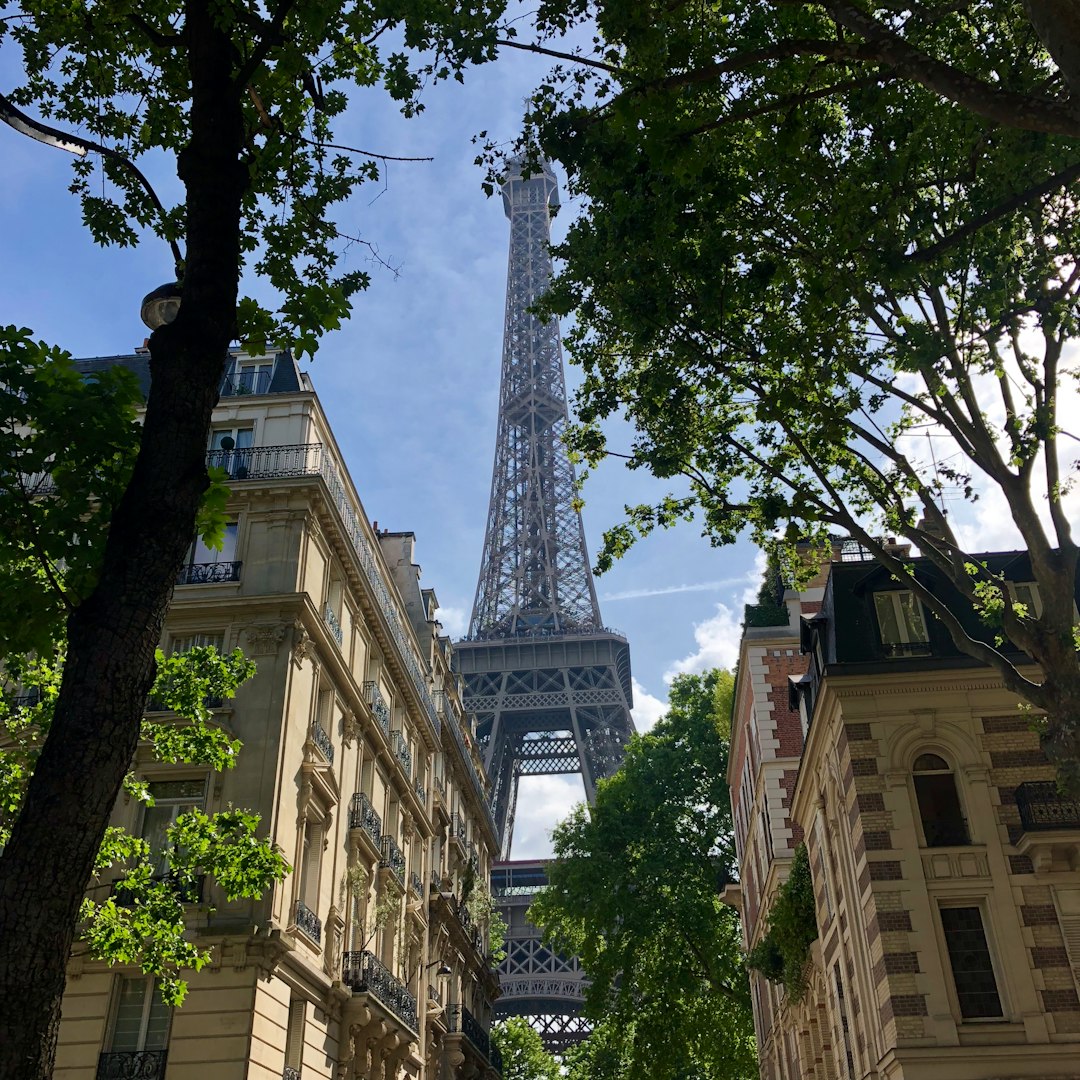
x=160 y=307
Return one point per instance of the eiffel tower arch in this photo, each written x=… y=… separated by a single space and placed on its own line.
x=549 y=684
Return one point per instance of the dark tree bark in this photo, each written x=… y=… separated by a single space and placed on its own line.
x=112 y=636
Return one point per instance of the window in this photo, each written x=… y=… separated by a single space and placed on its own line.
x=972 y=967
x=204 y=564
x=140 y=1018
x=230 y=449
x=186 y=642
x=294 y=1037
x=253 y=376
x=901 y=624
x=1026 y=593
x=942 y=818
x=171 y=799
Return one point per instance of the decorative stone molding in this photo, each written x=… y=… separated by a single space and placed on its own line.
x=263 y=639
x=302 y=646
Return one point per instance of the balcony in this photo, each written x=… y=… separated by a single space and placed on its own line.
x=322 y=741
x=333 y=624
x=421 y=791
x=1050 y=824
x=362 y=815
x=208 y=573
x=417 y=883
x=132 y=1065
x=392 y=858
x=897 y=649
x=400 y=747
x=242 y=383
x=460 y=1019
x=1044 y=809
x=363 y=974
x=289 y=1073
x=458 y=829
x=380 y=710
x=270 y=462
x=308 y=922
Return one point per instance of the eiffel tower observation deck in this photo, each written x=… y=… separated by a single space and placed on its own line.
x=548 y=682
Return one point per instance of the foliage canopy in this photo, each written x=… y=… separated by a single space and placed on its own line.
x=828 y=268
x=634 y=893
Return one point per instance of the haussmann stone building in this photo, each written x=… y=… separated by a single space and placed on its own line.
x=945 y=864
x=365 y=771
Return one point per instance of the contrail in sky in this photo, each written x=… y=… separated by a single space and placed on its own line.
x=667 y=590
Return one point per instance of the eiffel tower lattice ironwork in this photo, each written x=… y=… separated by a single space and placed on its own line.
x=549 y=683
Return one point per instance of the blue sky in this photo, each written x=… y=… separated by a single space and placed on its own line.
x=411 y=383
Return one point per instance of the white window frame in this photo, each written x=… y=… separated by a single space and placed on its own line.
x=148 y=1000
x=1032 y=599
x=905 y=631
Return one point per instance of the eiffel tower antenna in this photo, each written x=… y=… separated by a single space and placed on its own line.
x=549 y=683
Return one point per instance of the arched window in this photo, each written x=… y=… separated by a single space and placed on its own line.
x=939 y=802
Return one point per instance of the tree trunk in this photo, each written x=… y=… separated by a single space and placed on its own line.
x=48 y=862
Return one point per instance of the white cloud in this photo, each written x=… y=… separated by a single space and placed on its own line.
x=455 y=621
x=542 y=802
x=717 y=644
x=647 y=708
x=668 y=590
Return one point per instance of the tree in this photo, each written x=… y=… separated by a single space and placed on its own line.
x=634 y=893
x=523 y=1053
x=55 y=517
x=242 y=99
x=828 y=268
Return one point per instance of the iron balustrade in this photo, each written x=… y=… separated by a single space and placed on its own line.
x=132 y=1065
x=333 y=624
x=460 y=1019
x=401 y=750
x=421 y=791
x=1043 y=807
x=364 y=974
x=242 y=383
x=309 y=459
x=457 y=827
x=322 y=740
x=289 y=1073
x=392 y=858
x=379 y=708
x=906 y=648
x=362 y=815
x=208 y=573
x=436 y=881
x=308 y=922
x=417 y=883
x=454 y=724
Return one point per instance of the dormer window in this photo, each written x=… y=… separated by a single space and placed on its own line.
x=1026 y=593
x=901 y=625
x=248 y=377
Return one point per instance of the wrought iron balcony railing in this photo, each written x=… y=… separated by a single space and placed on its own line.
x=380 y=710
x=401 y=750
x=421 y=791
x=457 y=828
x=363 y=974
x=245 y=382
x=362 y=815
x=907 y=648
x=270 y=462
x=417 y=883
x=1043 y=808
x=392 y=858
x=132 y=1065
x=308 y=922
x=460 y=1019
x=208 y=573
x=436 y=881
x=322 y=740
x=454 y=722
x=333 y=624
x=289 y=1073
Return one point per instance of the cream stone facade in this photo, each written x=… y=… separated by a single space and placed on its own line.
x=365 y=962
x=945 y=864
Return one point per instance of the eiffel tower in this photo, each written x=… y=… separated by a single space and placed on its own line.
x=548 y=682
